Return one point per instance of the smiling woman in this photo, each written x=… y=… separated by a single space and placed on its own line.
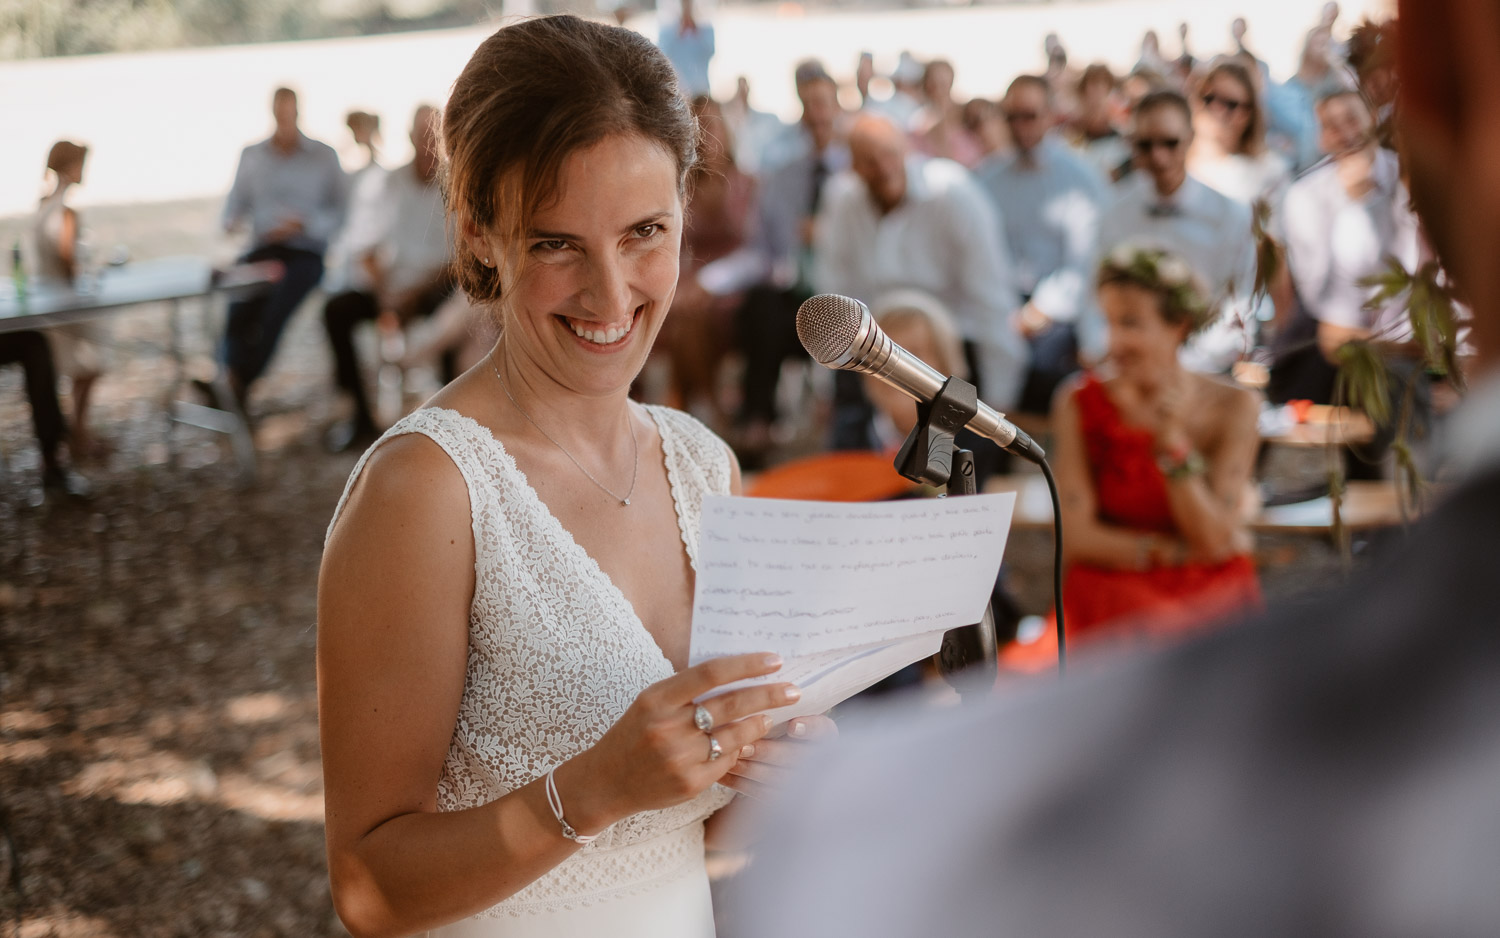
x=510 y=742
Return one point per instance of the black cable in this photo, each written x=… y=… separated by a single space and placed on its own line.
x=1057 y=564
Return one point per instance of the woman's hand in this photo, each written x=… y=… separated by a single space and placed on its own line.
x=656 y=756
x=764 y=765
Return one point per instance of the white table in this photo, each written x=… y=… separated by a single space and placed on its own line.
x=169 y=280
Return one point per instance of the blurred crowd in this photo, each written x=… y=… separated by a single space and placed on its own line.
x=1138 y=253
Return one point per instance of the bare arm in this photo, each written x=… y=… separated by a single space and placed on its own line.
x=1090 y=540
x=1206 y=506
x=393 y=609
x=67 y=242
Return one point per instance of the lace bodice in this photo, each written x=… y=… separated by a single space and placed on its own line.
x=557 y=654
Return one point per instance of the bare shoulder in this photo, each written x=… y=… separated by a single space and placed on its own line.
x=410 y=491
x=1226 y=404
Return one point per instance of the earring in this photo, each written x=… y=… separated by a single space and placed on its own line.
x=486 y=262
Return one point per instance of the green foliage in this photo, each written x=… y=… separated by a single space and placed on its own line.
x=1364 y=380
x=1268 y=250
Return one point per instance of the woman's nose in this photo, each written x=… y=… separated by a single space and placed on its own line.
x=608 y=293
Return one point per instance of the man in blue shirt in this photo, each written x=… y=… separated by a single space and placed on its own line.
x=1050 y=201
x=688 y=45
x=290 y=190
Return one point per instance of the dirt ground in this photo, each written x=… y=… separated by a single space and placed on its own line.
x=159 y=769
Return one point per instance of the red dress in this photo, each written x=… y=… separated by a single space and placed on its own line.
x=1131 y=492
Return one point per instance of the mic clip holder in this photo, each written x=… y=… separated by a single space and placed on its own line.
x=929 y=457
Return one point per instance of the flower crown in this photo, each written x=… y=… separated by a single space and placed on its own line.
x=1183 y=297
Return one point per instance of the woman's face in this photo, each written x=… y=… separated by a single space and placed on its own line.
x=1225 y=110
x=1142 y=344
x=600 y=268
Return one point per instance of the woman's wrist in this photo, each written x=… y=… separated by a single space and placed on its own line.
x=586 y=806
x=1156 y=550
x=1179 y=461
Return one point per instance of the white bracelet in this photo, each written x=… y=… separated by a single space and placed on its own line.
x=554 y=801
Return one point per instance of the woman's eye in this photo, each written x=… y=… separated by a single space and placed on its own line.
x=646 y=231
x=549 y=246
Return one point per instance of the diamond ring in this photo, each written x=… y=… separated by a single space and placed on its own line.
x=714 y=749
x=703 y=719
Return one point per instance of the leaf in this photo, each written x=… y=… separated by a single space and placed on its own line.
x=1364 y=380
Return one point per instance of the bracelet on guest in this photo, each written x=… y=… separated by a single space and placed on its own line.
x=1182 y=463
x=554 y=801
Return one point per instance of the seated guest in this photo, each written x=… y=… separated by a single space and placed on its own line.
x=291 y=190
x=939 y=128
x=1346 y=221
x=1165 y=206
x=776 y=264
x=30 y=350
x=1229 y=152
x=401 y=275
x=78 y=347
x=1092 y=130
x=1049 y=201
x=902 y=220
x=1153 y=465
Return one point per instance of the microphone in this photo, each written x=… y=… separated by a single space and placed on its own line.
x=839 y=333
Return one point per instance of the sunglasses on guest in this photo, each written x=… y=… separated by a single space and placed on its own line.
x=1144 y=145
x=1020 y=117
x=1230 y=105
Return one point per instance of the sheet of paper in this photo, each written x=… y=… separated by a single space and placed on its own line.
x=834 y=676
x=799 y=578
x=845 y=593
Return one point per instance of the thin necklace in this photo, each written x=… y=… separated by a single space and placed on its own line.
x=634 y=473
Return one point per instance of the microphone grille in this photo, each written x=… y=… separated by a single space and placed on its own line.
x=828 y=324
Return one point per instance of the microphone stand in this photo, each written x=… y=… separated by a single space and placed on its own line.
x=967 y=658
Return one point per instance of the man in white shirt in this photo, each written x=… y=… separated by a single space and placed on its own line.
x=402 y=274
x=1343 y=220
x=1049 y=200
x=902 y=220
x=1161 y=205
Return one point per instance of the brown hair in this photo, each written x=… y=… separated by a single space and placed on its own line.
x=534 y=93
x=1253 y=141
x=1098 y=73
x=1164 y=97
x=65 y=153
x=1032 y=81
x=1182 y=296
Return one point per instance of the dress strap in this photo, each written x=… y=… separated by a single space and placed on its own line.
x=697 y=466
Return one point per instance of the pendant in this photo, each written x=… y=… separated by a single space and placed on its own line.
x=625 y=503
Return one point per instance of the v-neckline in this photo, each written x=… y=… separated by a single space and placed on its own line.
x=566 y=536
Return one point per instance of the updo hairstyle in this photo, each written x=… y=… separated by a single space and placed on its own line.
x=532 y=94
x=1183 y=297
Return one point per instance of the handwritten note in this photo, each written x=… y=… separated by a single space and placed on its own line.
x=845 y=593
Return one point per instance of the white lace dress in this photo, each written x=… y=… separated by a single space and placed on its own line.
x=556 y=655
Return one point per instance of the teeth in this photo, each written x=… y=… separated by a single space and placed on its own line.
x=606 y=336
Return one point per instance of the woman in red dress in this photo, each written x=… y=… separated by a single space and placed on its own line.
x=1153 y=466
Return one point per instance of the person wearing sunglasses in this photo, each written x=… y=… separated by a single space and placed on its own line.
x=1049 y=200
x=1229 y=151
x=1163 y=205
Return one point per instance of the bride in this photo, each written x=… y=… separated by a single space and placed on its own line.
x=510 y=744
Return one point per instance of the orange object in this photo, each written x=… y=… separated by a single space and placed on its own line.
x=1300 y=409
x=854 y=476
